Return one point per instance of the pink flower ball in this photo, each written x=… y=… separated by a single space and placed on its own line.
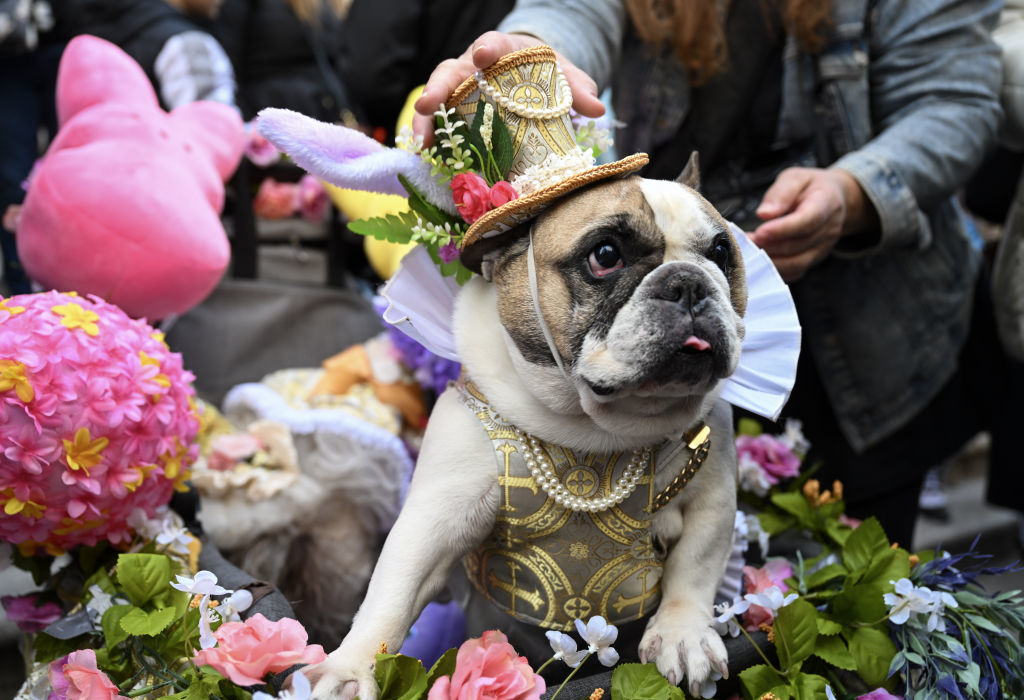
x=97 y=419
x=247 y=651
x=489 y=668
x=472 y=196
x=774 y=456
x=26 y=612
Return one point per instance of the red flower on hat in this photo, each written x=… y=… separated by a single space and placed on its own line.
x=472 y=196
x=502 y=193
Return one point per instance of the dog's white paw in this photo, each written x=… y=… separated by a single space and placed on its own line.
x=684 y=644
x=337 y=678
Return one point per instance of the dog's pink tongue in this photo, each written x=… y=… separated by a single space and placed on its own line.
x=696 y=343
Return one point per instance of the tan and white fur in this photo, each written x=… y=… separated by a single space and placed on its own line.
x=633 y=345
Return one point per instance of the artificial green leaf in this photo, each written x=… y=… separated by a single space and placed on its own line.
x=965 y=597
x=396 y=228
x=115 y=663
x=796 y=631
x=971 y=677
x=833 y=650
x=445 y=666
x=873 y=651
x=46 y=648
x=113 y=632
x=863 y=544
x=774 y=523
x=795 y=503
x=138 y=622
x=480 y=149
x=984 y=623
x=642 y=682
x=400 y=677
x=462 y=273
x=748 y=426
x=914 y=658
x=809 y=686
x=755 y=681
x=890 y=565
x=502 y=148
x=837 y=531
x=860 y=603
x=142 y=576
x=827 y=627
x=419 y=204
x=824 y=575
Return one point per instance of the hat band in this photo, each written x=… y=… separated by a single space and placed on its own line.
x=520 y=107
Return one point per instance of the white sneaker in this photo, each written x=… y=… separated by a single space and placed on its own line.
x=933 y=500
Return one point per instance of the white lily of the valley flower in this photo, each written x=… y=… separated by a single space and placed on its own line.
x=206 y=617
x=771 y=598
x=726 y=622
x=238 y=602
x=600 y=635
x=204 y=583
x=299 y=690
x=564 y=647
x=829 y=694
x=710 y=686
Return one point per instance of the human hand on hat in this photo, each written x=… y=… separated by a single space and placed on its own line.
x=483 y=52
x=805 y=212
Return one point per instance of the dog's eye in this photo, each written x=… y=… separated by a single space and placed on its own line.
x=604 y=259
x=721 y=255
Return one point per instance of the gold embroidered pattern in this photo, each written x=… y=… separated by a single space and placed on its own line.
x=548 y=565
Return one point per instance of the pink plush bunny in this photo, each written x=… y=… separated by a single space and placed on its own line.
x=125 y=203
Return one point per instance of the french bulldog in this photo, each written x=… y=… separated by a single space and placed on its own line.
x=642 y=291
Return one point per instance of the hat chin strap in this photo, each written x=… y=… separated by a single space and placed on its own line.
x=531 y=272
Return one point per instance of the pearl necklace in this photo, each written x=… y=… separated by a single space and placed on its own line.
x=514 y=107
x=543 y=472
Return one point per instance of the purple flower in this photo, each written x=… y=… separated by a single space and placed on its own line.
x=879 y=694
x=774 y=456
x=28 y=615
x=449 y=252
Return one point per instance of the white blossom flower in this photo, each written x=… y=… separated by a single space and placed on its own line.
x=725 y=622
x=206 y=618
x=238 y=602
x=793 y=436
x=204 y=583
x=175 y=538
x=909 y=599
x=99 y=602
x=754 y=530
x=771 y=598
x=299 y=690
x=564 y=647
x=600 y=635
x=829 y=694
x=752 y=476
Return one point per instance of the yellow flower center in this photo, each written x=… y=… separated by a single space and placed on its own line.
x=12 y=376
x=14 y=506
x=74 y=316
x=12 y=310
x=84 y=452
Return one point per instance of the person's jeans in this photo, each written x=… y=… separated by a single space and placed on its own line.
x=27 y=85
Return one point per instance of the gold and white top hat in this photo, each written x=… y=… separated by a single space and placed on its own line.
x=531 y=95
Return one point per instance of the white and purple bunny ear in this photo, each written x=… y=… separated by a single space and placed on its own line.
x=348 y=158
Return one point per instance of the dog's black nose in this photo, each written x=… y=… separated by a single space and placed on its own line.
x=684 y=290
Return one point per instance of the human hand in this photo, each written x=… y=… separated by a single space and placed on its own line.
x=483 y=52
x=805 y=212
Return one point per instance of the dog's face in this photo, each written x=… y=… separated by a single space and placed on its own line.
x=642 y=287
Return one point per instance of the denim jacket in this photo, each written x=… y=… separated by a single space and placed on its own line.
x=906 y=96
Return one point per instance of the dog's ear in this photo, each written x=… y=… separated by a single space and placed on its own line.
x=691 y=173
x=495 y=250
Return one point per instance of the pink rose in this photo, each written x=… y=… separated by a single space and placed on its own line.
x=28 y=615
x=502 y=193
x=247 y=651
x=879 y=694
x=260 y=151
x=313 y=201
x=774 y=456
x=773 y=573
x=76 y=677
x=229 y=450
x=275 y=200
x=472 y=196
x=489 y=668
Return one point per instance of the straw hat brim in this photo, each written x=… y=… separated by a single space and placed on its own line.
x=485 y=233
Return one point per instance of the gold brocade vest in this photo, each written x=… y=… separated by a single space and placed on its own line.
x=548 y=565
